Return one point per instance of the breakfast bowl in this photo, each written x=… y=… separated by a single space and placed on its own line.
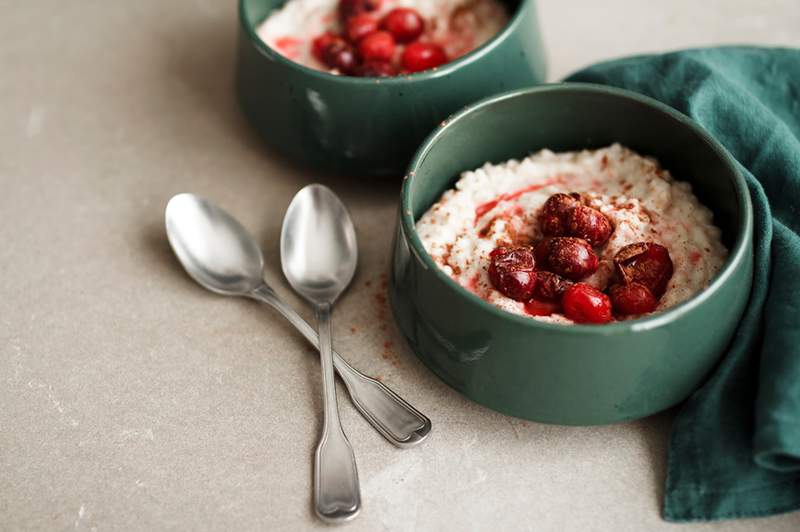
x=574 y=374
x=365 y=125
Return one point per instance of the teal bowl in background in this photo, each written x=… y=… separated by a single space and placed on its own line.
x=569 y=374
x=371 y=125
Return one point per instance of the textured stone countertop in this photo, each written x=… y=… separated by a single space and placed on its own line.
x=134 y=400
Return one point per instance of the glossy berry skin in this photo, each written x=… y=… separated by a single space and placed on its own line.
x=554 y=211
x=549 y=286
x=647 y=263
x=572 y=258
x=512 y=271
x=320 y=44
x=376 y=69
x=341 y=55
x=360 y=26
x=377 y=46
x=405 y=24
x=589 y=224
x=586 y=304
x=632 y=299
x=419 y=56
x=351 y=8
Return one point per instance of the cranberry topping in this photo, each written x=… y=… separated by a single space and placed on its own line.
x=405 y=24
x=647 y=263
x=632 y=299
x=542 y=253
x=589 y=224
x=320 y=44
x=340 y=55
x=512 y=271
x=586 y=304
x=549 y=286
x=554 y=210
x=571 y=257
x=540 y=308
x=420 y=56
x=360 y=26
x=351 y=8
x=377 y=69
x=377 y=46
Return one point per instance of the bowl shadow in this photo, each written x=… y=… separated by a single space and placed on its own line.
x=655 y=432
x=203 y=62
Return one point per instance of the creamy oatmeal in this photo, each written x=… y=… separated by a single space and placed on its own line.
x=454 y=26
x=502 y=205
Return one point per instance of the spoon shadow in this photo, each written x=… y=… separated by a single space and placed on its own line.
x=160 y=255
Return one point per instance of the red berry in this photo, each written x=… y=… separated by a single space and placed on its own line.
x=419 y=56
x=542 y=252
x=512 y=271
x=405 y=24
x=321 y=43
x=586 y=304
x=646 y=263
x=377 y=46
x=572 y=258
x=632 y=299
x=589 y=224
x=541 y=308
x=341 y=56
x=551 y=218
x=377 y=69
x=360 y=26
x=549 y=286
x=351 y=8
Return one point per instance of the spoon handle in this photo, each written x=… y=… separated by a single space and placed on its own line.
x=398 y=421
x=337 y=495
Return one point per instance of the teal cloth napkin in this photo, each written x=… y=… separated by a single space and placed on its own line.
x=735 y=444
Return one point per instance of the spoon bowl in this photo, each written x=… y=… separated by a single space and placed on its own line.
x=213 y=247
x=318 y=245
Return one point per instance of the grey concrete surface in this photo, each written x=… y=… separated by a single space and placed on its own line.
x=134 y=400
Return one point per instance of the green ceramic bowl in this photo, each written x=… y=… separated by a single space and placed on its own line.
x=369 y=125
x=579 y=374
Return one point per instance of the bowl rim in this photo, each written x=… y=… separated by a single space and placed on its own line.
x=434 y=73
x=736 y=255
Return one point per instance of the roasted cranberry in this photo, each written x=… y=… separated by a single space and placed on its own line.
x=320 y=44
x=589 y=224
x=549 y=286
x=542 y=253
x=341 y=55
x=586 y=304
x=405 y=24
x=632 y=299
x=647 y=263
x=360 y=26
x=554 y=211
x=377 y=69
x=351 y=8
x=541 y=308
x=420 y=56
x=512 y=271
x=377 y=46
x=571 y=257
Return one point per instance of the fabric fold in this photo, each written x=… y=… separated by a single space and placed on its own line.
x=735 y=444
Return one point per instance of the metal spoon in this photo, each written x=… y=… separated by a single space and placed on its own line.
x=319 y=255
x=218 y=253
